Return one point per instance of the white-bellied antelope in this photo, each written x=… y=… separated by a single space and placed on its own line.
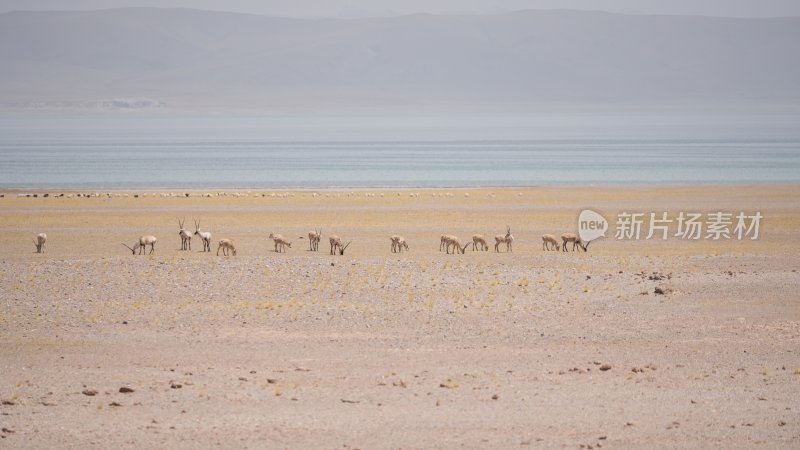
x=479 y=241
x=143 y=242
x=280 y=242
x=313 y=239
x=454 y=241
x=186 y=236
x=204 y=235
x=336 y=245
x=398 y=243
x=41 y=238
x=507 y=239
x=576 y=241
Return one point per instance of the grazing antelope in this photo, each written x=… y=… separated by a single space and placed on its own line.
x=313 y=239
x=336 y=244
x=144 y=241
x=204 y=235
x=550 y=240
x=280 y=242
x=500 y=239
x=453 y=241
x=479 y=240
x=186 y=236
x=398 y=243
x=576 y=241
x=227 y=246
x=41 y=238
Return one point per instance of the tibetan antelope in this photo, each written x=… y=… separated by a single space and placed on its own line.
x=506 y=239
x=204 y=235
x=443 y=242
x=227 y=246
x=186 y=236
x=398 y=243
x=453 y=241
x=479 y=241
x=576 y=241
x=280 y=242
x=144 y=241
x=336 y=244
x=313 y=239
x=41 y=238
x=549 y=240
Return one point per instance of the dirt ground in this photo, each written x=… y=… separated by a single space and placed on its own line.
x=420 y=349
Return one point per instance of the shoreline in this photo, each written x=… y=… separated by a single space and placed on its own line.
x=194 y=192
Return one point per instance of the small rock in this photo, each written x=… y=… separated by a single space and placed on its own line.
x=7 y=430
x=90 y=392
x=125 y=390
x=781 y=423
x=114 y=404
x=271 y=380
x=495 y=397
x=175 y=385
x=605 y=367
x=659 y=291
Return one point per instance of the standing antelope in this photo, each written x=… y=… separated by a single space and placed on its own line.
x=227 y=246
x=313 y=239
x=336 y=244
x=576 y=241
x=204 y=235
x=479 y=240
x=280 y=242
x=550 y=240
x=186 y=236
x=144 y=241
x=443 y=242
x=41 y=238
x=398 y=243
x=500 y=239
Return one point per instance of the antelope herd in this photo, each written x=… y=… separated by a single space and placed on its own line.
x=448 y=243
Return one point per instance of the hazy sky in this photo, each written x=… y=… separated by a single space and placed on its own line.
x=361 y=8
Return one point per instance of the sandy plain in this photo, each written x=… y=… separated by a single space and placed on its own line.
x=529 y=349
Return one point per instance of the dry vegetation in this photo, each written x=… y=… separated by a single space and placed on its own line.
x=375 y=349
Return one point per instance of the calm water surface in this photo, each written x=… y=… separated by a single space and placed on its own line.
x=397 y=151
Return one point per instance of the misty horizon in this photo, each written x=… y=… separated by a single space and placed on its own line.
x=190 y=60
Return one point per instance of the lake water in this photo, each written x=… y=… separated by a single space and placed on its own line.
x=364 y=151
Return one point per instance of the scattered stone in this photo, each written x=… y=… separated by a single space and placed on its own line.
x=781 y=423
x=605 y=367
x=89 y=392
x=8 y=402
x=271 y=380
x=344 y=400
x=449 y=384
x=658 y=291
x=7 y=430
x=175 y=385
x=114 y=404
x=242 y=379
x=495 y=397
x=125 y=390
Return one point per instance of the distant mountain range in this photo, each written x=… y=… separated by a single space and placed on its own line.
x=198 y=60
